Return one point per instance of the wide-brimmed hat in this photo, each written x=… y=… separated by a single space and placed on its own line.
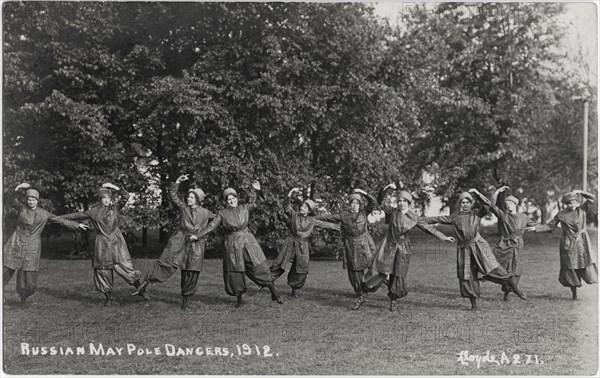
x=466 y=195
x=406 y=195
x=32 y=193
x=569 y=197
x=199 y=194
x=229 y=191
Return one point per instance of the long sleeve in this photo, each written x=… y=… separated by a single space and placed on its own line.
x=251 y=205
x=431 y=230
x=548 y=227
x=62 y=221
x=327 y=225
x=486 y=205
x=289 y=210
x=381 y=195
x=173 y=188
x=329 y=217
x=124 y=197
x=371 y=204
x=77 y=216
x=213 y=225
x=444 y=219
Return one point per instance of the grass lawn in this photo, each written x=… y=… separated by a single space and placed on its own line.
x=315 y=334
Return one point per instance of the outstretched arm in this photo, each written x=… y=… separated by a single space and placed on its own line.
x=433 y=231
x=212 y=226
x=444 y=219
x=67 y=223
x=551 y=226
x=327 y=225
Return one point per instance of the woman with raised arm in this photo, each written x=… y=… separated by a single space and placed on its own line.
x=577 y=259
x=358 y=243
x=184 y=249
x=243 y=255
x=294 y=254
x=110 y=250
x=22 y=250
x=393 y=254
x=512 y=226
x=474 y=254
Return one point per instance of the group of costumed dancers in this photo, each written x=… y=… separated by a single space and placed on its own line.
x=369 y=266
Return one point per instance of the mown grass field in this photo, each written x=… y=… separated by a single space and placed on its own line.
x=315 y=334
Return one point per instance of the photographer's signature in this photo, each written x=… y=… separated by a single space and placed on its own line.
x=467 y=358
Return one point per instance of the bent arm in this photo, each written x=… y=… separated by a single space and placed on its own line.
x=212 y=226
x=327 y=225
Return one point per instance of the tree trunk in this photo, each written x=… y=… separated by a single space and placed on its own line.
x=145 y=237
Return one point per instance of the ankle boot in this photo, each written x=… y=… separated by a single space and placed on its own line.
x=140 y=289
x=240 y=302
x=295 y=293
x=359 y=301
x=473 y=303
x=108 y=299
x=274 y=296
x=516 y=290
x=574 y=292
x=185 y=302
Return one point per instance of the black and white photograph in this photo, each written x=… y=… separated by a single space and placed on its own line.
x=319 y=188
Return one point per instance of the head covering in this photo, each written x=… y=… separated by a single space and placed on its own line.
x=569 y=197
x=199 y=194
x=464 y=195
x=104 y=192
x=229 y=191
x=512 y=199
x=32 y=193
x=406 y=195
x=311 y=205
x=355 y=196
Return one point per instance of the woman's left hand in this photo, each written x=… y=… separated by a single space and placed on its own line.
x=450 y=239
x=256 y=185
x=193 y=237
x=83 y=226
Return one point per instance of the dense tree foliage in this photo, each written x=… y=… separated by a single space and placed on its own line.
x=286 y=93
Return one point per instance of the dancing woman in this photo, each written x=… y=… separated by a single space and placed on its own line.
x=358 y=243
x=393 y=254
x=22 y=250
x=184 y=250
x=294 y=254
x=110 y=250
x=243 y=255
x=577 y=260
x=512 y=226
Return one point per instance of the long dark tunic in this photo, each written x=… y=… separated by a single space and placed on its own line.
x=23 y=248
x=109 y=247
x=238 y=237
x=358 y=243
x=575 y=244
x=396 y=242
x=470 y=243
x=296 y=244
x=180 y=250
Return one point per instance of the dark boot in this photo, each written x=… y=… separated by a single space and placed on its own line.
x=359 y=301
x=574 y=292
x=23 y=301
x=473 y=303
x=392 y=305
x=274 y=295
x=108 y=299
x=295 y=293
x=506 y=295
x=240 y=302
x=513 y=285
x=140 y=289
x=185 y=302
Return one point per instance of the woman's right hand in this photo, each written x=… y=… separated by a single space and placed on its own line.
x=22 y=186
x=294 y=190
x=182 y=178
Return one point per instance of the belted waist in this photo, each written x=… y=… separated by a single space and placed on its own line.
x=576 y=234
x=357 y=237
x=297 y=238
x=240 y=232
x=468 y=243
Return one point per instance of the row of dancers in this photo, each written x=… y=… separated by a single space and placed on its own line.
x=369 y=266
